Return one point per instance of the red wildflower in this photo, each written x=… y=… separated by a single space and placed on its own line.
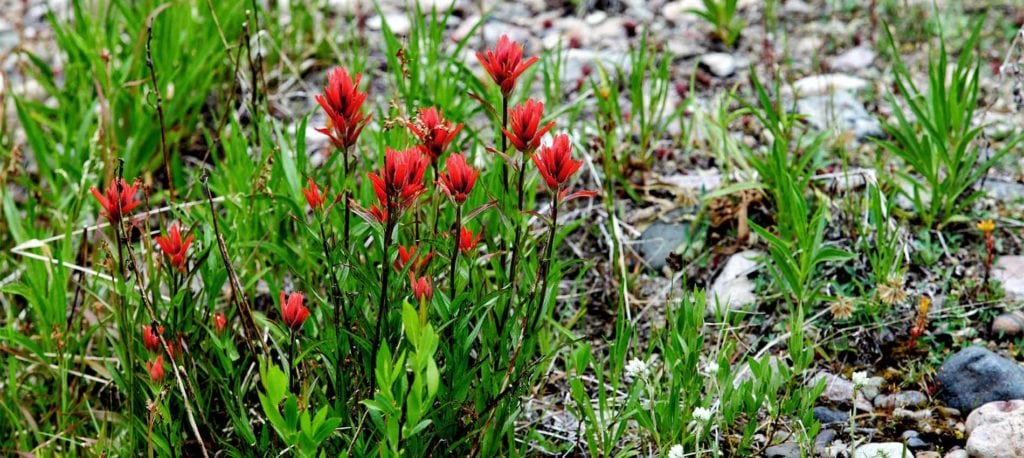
x=409 y=257
x=555 y=163
x=343 y=103
x=524 y=126
x=422 y=289
x=150 y=339
x=314 y=197
x=174 y=247
x=505 y=63
x=434 y=132
x=293 y=313
x=467 y=242
x=458 y=180
x=401 y=181
x=156 y=369
x=220 y=322
x=118 y=200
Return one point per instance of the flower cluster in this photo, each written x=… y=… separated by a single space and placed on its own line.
x=174 y=247
x=119 y=199
x=342 y=102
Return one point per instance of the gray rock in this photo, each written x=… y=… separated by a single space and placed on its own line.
x=398 y=23
x=831 y=83
x=958 y=453
x=996 y=429
x=904 y=399
x=882 y=450
x=786 y=450
x=1009 y=270
x=1008 y=325
x=975 y=376
x=913 y=439
x=660 y=240
x=823 y=439
x=827 y=416
x=853 y=59
x=838 y=389
x=732 y=290
x=841 y=112
x=918 y=415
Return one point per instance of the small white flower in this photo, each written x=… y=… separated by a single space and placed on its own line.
x=676 y=451
x=701 y=414
x=636 y=368
x=711 y=368
x=860 y=378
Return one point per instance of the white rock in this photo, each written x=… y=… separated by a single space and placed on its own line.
x=882 y=450
x=958 y=453
x=679 y=10
x=732 y=290
x=853 y=59
x=596 y=17
x=719 y=63
x=398 y=23
x=827 y=84
x=1010 y=271
x=996 y=429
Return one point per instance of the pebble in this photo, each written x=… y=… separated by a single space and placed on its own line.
x=826 y=415
x=838 y=389
x=1009 y=270
x=853 y=59
x=975 y=376
x=908 y=398
x=786 y=450
x=918 y=415
x=1008 y=325
x=823 y=439
x=719 y=64
x=399 y=23
x=958 y=453
x=732 y=290
x=927 y=454
x=882 y=450
x=679 y=11
x=996 y=429
x=659 y=241
x=842 y=112
x=830 y=83
x=913 y=439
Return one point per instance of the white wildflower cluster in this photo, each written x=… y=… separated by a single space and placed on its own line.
x=636 y=368
x=701 y=414
x=676 y=451
x=711 y=368
x=860 y=379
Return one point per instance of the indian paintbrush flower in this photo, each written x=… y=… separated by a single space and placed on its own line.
x=505 y=63
x=156 y=369
x=458 y=179
x=467 y=242
x=293 y=313
x=118 y=199
x=220 y=322
x=525 y=131
x=434 y=132
x=410 y=257
x=555 y=162
x=174 y=247
x=400 y=183
x=422 y=288
x=150 y=338
x=343 y=103
x=314 y=197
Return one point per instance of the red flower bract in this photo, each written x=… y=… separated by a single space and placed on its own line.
x=150 y=339
x=174 y=247
x=118 y=199
x=524 y=130
x=343 y=103
x=555 y=163
x=314 y=197
x=422 y=289
x=458 y=180
x=505 y=63
x=434 y=132
x=156 y=369
x=409 y=257
x=467 y=242
x=400 y=182
x=220 y=322
x=293 y=313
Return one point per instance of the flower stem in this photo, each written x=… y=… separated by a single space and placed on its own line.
x=455 y=252
x=385 y=270
x=344 y=193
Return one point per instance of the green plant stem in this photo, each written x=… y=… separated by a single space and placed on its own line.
x=504 y=140
x=385 y=270
x=338 y=307
x=457 y=231
x=293 y=373
x=546 y=267
x=344 y=195
x=125 y=327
